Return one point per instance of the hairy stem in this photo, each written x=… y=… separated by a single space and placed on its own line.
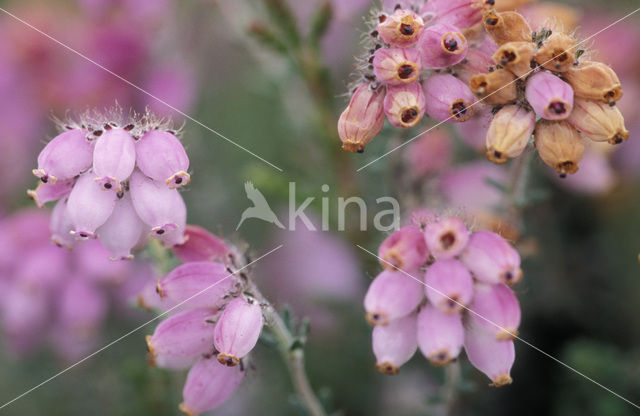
x=292 y=355
x=450 y=388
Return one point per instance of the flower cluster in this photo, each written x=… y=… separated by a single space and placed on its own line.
x=217 y=323
x=539 y=76
x=445 y=288
x=401 y=45
x=116 y=180
x=56 y=296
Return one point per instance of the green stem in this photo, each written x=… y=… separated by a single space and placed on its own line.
x=452 y=375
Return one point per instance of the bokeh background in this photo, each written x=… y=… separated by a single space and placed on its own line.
x=213 y=60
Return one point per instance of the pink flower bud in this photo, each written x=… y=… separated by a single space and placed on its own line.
x=500 y=308
x=405 y=249
x=442 y=45
x=185 y=334
x=201 y=245
x=64 y=157
x=440 y=335
x=404 y=104
x=208 y=385
x=114 y=158
x=61 y=226
x=363 y=118
x=161 y=156
x=446 y=238
x=237 y=330
x=188 y=280
x=492 y=259
x=394 y=344
x=123 y=229
x=176 y=237
x=487 y=354
x=448 y=98
x=47 y=192
x=401 y=29
x=550 y=97
x=88 y=206
x=159 y=207
x=460 y=13
x=448 y=285
x=395 y=66
x=390 y=296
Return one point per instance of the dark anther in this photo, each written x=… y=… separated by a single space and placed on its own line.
x=229 y=361
x=458 y=109
x=447 y=240
x=557 y=107
x=107 y=127
x=129 y=127
x=443 y=355
x=409 y=115
x=160 y=232
x=370 y=77
x=378 y=46
x=374 y=34
x=491 y=21
x=563 y=175
x=382 y=18
x=406 y=29
x=178 y=181
x=68 y=127
x=497 y=154
x=397 y=6
x=508 y=276
x=405 y=71
x=612 y=104
x=508 y=57
x=371 y=59
x=97 y=133
x=360 y=149
x=375 y=317
x=107 y=186
x=451 y=45
x=44 y=179
x=491 y=2
x=84 y=235
x=533 y=64
x=617 y=140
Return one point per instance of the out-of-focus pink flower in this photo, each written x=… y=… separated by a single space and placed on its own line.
x=596 y=175
x=468 y=185
x=429 y=154
x=473 y=132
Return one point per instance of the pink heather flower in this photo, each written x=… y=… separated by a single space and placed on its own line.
x=161 y=156
x=404 y=105
x=61 y=226
x=448 y=285
x=402 y=28
x=442 y=45
x=491 y=356
x=500 y=308
x=394 y=344
x=440 y=335
x=405 y=249
x=395 y=66
x=448 y=98
x=89 y=206
x=476 y=62
x=201 y=245
x=460 y=13
x=550 y=97
x=446 y=238
x=208 y=385
x=491 y=258
x=123 y=230
x=47 y=192
x=420 y=217
x=161 y=208
x=473 y=132
x=114 y=157
x=596 y=175
x=185 y=334
x=188 y=280
x=391 y=295
x=430 y=154
x=64 y=157
x=363 y=118
x=237 y=330
x=81 y=307
x=467 y=185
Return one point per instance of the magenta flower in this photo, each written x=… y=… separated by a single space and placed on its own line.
x=498 y=308
x=391 y=295
x=446 y=238
x=448 y=98
x=89 y=207
x=492 y=259
x=405 y=249
x=491 y=356
x=394 y=344
x=161 y=156
x=363 y=118
x=550 y=97
x=401 y=28
x=237 y=330
x=395 y=66
x=441 y=45
x=448 y=285
x=201 y=245
x=123 y=229
x=404 y=104
x=114 y=157
x=440 y=335
x=64 y=157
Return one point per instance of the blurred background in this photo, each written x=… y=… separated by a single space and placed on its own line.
x=234 y=67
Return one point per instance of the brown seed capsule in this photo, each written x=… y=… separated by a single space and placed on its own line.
x=516 y=57
x=495 y=88
x=559 y=146
x=598 y=121
x=506 y=27
x=557 y=53
x=595 y=81
x=509 y=133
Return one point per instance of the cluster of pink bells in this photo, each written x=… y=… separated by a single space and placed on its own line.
x=114 y=181
x=445 y=288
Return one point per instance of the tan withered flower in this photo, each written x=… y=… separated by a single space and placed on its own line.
x=506 y=27
x=595 y=81
x=495 y=88
x=509 y=133
x=505 y=5
x=516 y=57
x=559 y=146
x=598 y=121
x=557 y=52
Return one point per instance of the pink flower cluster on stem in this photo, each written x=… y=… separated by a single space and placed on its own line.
x=116 y=180
x=443 y=289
